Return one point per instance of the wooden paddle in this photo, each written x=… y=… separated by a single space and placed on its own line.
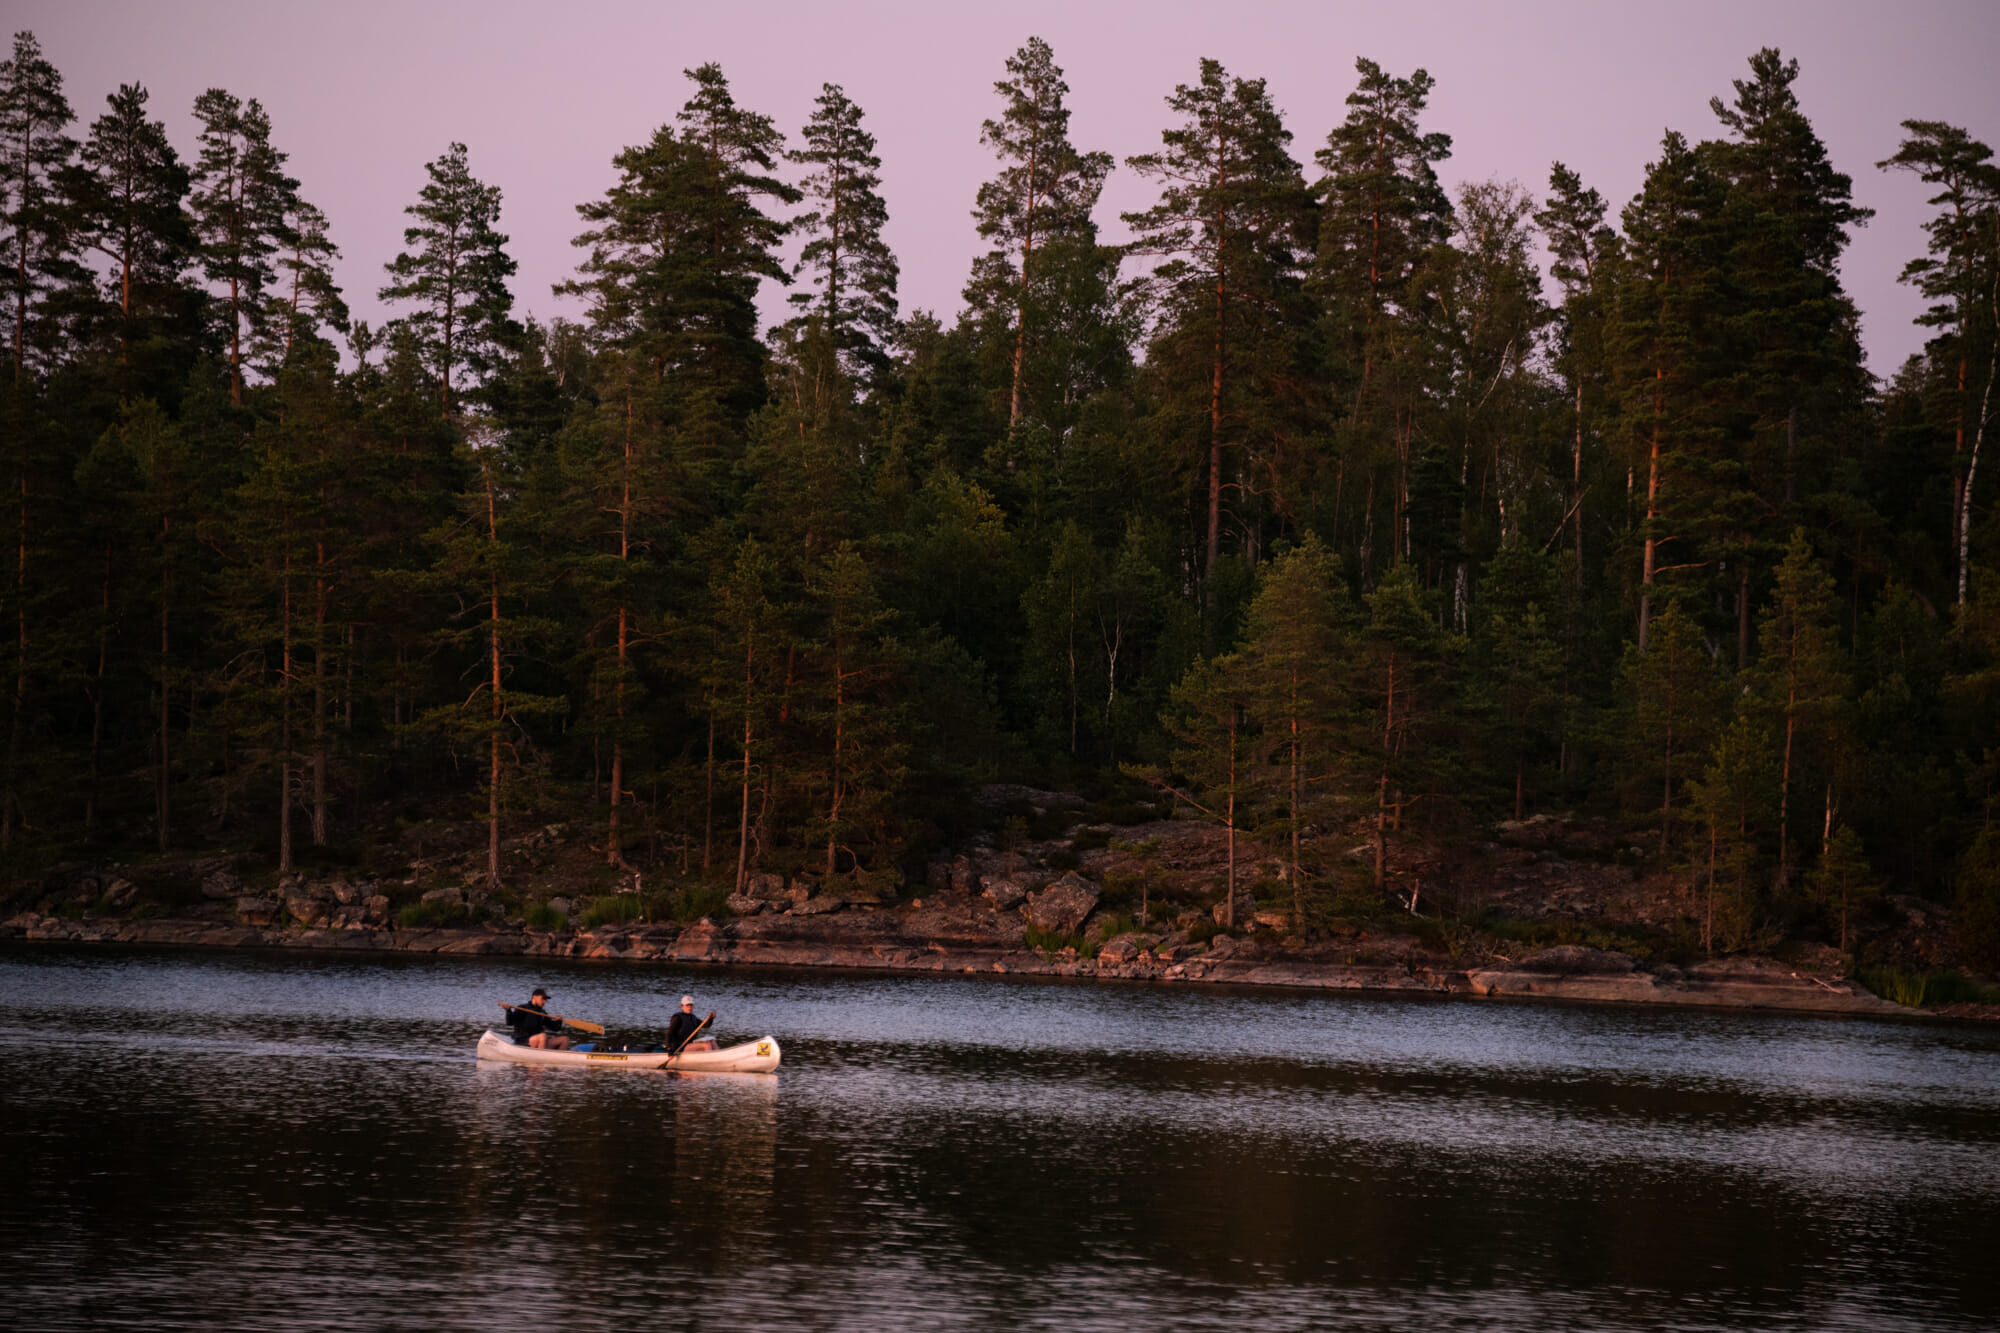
x=579 y=1024
x=692 y=1035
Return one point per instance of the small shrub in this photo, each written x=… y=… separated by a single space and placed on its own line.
x=689 y=902
x=541 y=916
x=1204 y=930
x=613 y=909
x=1931 y=988
x=432 y=915
x=1090 y=839
x=1055 y=941
x=1112 y=925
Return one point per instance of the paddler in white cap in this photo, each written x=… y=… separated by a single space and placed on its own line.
x=682 y=1030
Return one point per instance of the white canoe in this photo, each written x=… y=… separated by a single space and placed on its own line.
x=751 y=1057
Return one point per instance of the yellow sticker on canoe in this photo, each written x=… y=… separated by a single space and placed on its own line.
x=593 y=1055
x=763 y=1048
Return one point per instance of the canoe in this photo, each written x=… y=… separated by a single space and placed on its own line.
x=751 y=1057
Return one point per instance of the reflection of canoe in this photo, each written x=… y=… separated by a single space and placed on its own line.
x=750 y=1057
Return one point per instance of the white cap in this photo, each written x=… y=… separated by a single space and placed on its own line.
x=687 y=999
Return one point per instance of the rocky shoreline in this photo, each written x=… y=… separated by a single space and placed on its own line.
x=963 y=933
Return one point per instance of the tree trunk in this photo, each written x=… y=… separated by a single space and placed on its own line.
x=1021 y=297
x=1229 y=894
x=1576 y=484
x=743 y=824
x=11 y=816
x=1652 y=513
x=614 y=844
x=285 y=672
x=97 y=700
x=1978 y=437
x=161 y=806
x=497 y=705
x=319 y=816
x=708 y=802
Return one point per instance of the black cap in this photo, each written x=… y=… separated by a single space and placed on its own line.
x=539 y=990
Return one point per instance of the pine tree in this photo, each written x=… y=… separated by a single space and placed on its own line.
x=1801 y=684
x=853 y=711
x=1583 y=249
x=126 y=195
x=241 y=202
x=1384 y=209
x=455 y=272
x=1298 y=629
x=853 y=292
x=1061 y=657
x=489 y=566
x=1041 y=200
x=1209 y=724
x=1404 y=685
x=305 y=296
x=1231 y=224
x=1519 y=667
x=1676 y=369
x=1961 y=277
x=1676 y=703
x=1803 y=384
x=1729 y=803
x=729 y=185
x=1843 y=882
x=34 y=149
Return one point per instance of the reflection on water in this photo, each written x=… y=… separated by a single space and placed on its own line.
x=301 y=1143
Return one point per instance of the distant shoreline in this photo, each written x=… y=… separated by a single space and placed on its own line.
x=876 y=941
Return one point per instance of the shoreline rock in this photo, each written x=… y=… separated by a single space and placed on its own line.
x=970 y=936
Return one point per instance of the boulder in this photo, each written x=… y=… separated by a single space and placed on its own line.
x=450 y=896
x=1271 y=917
x=1122 y=949
x=1246 y=910
x=258 y=911
x=964 y=877
x=1063 y=905
x=221 y=885
x=1004 y=891
x=937 y=875
x=375 y=910
x=819 y=904
x=743 y=904
x=121 y=892
x=304 y=907
x=766 y=887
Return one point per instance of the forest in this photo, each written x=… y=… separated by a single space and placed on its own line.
x=1316 y=509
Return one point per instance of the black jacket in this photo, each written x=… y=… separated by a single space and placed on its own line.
x=680 y=1028
x=528 y=1019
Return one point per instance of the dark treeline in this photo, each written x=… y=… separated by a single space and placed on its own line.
x=1314 y=504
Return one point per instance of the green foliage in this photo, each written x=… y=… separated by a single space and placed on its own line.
x=614 y=909
x=1922 y=989
x=433 y=915
x=1978 y=902
x=1055 y=941
x=541 y=916
x=1305 y=509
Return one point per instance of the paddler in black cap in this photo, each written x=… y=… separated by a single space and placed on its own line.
x=534 y=1026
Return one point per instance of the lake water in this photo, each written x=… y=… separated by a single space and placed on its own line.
x=286 y=1142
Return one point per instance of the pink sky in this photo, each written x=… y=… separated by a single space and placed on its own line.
x=362 y=94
